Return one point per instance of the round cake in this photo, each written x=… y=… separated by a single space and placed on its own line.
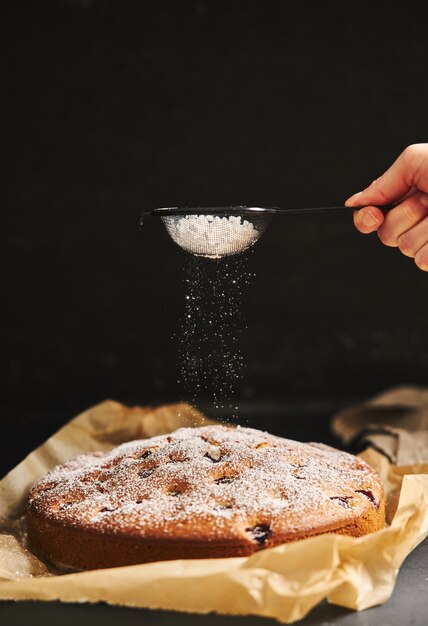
x=203 y=492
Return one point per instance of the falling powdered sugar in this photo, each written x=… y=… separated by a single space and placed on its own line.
x=211 y=362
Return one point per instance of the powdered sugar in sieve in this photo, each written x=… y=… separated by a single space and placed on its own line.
x=212 y=236
x=214 y=232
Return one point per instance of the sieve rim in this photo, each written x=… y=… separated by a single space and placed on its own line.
x=224 y=210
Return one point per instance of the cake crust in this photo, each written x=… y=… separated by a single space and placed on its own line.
x=205 y=492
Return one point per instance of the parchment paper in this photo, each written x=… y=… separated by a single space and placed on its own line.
x=285 y=582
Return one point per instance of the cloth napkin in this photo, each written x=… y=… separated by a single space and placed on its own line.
x=394 y=423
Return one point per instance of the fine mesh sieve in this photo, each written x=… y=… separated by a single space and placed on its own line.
x=215 y=232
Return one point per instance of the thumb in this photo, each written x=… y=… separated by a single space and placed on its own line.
x=409 y=170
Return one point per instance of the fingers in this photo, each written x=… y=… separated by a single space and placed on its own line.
x=368 y=220
x=405 y=226
x=413 y=240
x=403 y=218
x=410 y=193
x=421 y=258
x=409 y=170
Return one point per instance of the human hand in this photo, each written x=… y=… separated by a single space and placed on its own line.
x=405 y=226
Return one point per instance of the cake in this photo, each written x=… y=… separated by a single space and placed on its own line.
x=213 y=491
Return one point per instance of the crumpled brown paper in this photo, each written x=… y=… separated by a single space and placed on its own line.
x=284 y=582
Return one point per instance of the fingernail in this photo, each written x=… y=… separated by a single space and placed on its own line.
x=370 y=219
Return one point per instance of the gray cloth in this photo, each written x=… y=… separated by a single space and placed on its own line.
x=394 y=423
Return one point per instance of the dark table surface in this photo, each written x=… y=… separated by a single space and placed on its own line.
x=25 y=429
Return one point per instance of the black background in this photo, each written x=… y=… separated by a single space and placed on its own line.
x=113 y=107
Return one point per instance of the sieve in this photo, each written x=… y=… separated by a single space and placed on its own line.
x=215 y=232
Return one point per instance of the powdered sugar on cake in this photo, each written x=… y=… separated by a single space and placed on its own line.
x=213 y=476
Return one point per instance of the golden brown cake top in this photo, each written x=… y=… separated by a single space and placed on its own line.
x=210 y=482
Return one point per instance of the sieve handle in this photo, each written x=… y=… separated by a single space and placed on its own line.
x=237 y=210
x=333 y=209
